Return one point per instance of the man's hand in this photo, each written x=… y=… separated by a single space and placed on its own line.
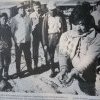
x=61 y=75
x=71 y=75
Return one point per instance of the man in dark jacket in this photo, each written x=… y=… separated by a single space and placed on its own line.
x=5 y=46
x=51 y=32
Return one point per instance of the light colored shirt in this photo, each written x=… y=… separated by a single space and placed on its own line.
x=21 y=28
x=82 y=50
x=54 y=24
x=35 y=19
x=96 y=16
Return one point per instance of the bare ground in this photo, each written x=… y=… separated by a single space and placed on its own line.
x=39 y=82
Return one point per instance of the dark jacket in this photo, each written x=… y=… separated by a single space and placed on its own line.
x=45 y=29
x=5 y=37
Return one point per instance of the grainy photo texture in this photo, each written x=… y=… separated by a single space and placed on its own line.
x=50 y=47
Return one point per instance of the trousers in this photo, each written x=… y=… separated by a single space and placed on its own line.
x=53 y=40
x=25 y=47
x=5 y=60
x=37 y=38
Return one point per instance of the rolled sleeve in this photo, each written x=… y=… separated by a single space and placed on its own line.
x=63 y=56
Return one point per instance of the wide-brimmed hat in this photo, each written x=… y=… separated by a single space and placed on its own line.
x=20 y=6
x=51 y=5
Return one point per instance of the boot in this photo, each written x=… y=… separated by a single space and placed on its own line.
x=30 y=70
x=35 y=64
x=18 y=72
x=53 y=73
x=6 y=72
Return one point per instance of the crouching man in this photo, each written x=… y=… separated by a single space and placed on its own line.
x=79 y=50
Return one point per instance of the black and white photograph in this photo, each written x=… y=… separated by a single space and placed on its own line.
x=50 y=49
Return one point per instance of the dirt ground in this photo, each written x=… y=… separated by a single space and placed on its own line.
x=39 y=82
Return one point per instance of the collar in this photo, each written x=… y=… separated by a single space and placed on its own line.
x=91 y=33
x=19 y=16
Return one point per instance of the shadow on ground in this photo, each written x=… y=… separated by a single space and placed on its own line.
x=37 y=71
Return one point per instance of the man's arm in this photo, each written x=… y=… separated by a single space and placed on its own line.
x=86 y=61
x=63 y=58
x=13 y=28
x=45 y=31
x=92 y=55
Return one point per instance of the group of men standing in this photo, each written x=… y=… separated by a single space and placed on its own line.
x=46 y=29
x=79 y=48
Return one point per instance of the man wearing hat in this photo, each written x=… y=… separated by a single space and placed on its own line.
x=21 y=30
x=51 y=32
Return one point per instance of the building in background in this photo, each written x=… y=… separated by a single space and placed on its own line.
x=9 y=9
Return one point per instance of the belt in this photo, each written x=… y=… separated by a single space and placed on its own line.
x=53 y=33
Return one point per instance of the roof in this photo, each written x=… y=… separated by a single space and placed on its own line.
x=7 y=6
x=10 y=3
x=73 y=2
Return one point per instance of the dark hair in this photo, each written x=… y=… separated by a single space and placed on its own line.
x=79 y=14
x=86 y=7
x=75 y=15
x=98 y=3
x=37 y=3
x=4 y=15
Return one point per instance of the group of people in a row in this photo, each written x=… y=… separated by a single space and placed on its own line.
x=79 y=47
x=46 y=29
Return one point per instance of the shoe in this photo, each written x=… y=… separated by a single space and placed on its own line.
x=30 y=71
x=53 y=74
x=20 y=75
x=6 y=78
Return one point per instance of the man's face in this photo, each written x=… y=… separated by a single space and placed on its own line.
x=98 y=8
x=3 y=20
x=36 y=8
x=27 y=12
x=80 y=27
x=51 y=12
x=21 y=11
